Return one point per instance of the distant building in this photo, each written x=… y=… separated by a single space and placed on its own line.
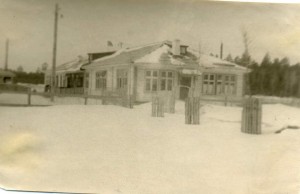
x=167 y=66
x=6 y=77
x=69 y=75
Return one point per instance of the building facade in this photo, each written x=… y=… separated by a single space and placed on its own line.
x=6 y=77
x=164 y=67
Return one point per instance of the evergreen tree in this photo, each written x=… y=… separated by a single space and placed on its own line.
x=20 y=68
x=229 y=58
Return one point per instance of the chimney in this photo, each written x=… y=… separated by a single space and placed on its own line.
x=176 y=47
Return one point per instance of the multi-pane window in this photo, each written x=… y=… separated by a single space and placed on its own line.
x=217 y=84
x=101 y=79
x=122 y=77
x=229 y=84
x=87 y=77
x=209 y=84
x=166 y=80
x=56 y=81
x=79 y=80
x=159 y=80
x=151 y=80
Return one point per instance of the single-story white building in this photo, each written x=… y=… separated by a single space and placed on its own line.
x=69 y=76
x=165 y=67
x=6 y=77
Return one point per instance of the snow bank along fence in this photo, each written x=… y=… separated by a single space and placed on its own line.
x=163 y=102
x=13 y=88
x=120 y=97
x=251 y=116
x=66 y=91
x=295 y=102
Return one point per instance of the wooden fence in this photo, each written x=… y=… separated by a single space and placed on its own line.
x=157 y=106
x=13 y=88
x=289 y=101
x=251 y=116
x=67 y=91
x=192 y=110
x=118 y=97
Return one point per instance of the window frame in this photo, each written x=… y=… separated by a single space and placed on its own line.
x=222 y=84
x=157 y=78
x=122 y=78
x=86 y=80
x=101 y=80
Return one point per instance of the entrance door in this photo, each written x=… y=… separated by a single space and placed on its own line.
x=185 y=85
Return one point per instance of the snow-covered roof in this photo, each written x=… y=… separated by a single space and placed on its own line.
x=208 y=61
x=73 y=65
x=6 y=73
x=126 y=55
x=161 y=53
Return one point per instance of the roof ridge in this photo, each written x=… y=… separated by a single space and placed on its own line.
x=144 y=45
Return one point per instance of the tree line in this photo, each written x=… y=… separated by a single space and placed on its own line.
x=30 y=77
x=272 y=77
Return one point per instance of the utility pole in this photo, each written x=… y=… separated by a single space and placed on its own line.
x=6 y=54
x=53 y=80
x=221 y=50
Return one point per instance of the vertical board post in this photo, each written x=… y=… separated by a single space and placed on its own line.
x=157 y=106
x=251 y=116
x=85 y=100
x=29 y=97
x=192 y=113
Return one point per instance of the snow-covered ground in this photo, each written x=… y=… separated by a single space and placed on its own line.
x=110 y=149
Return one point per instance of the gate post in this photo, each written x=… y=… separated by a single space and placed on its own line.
x=251 y=116
x=192 y=110
x=157 y=107
x=29 y=96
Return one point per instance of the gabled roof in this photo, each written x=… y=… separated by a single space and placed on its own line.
x=214 y=62
x=126 y=55
x=161 y=53
x=77 y=64
x=73 y=65
x=6 y=73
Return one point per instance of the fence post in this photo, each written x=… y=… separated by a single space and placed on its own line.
x=192 y=113
x=131 y=101
x=29 y=97
x=226 y=100
x=85 y=99
x=251 y=116
x=172 y=102
x=157 y=107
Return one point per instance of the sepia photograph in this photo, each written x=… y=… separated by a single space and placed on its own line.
x=149 y=97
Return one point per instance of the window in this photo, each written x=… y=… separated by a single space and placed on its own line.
x=209 y=84
x=122 y=75
x=87 y=77
x=217 y=84
x=182 y=50
x=229 y=84
x=166 y=81
x=101 y=79
x=56 y=81
x=159 y=80
x=151 y=80
x=79 y=80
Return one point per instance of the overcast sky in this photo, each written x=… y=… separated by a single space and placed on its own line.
x=87 y=25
